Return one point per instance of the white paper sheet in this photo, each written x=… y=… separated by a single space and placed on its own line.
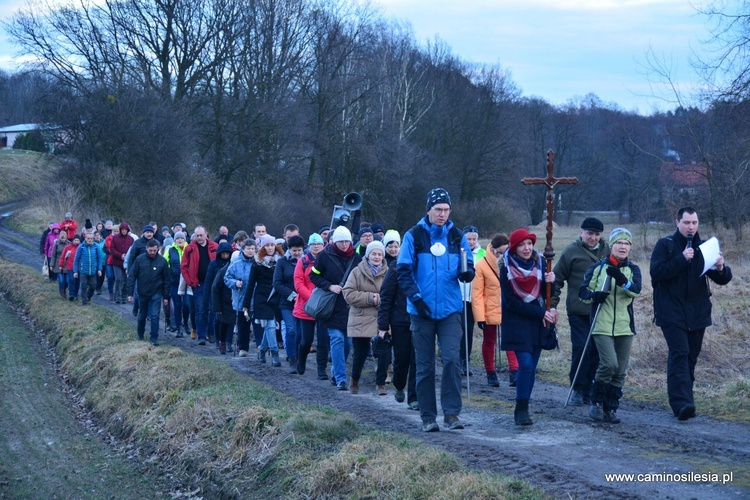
x=710 y=250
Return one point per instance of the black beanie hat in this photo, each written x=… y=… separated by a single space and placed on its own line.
x=437 y=195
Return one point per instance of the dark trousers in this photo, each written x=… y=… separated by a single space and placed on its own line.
x=361 y=350
x=684 y=348
x=88 y=285
x=579 y=331
x=404 y=362
x=383 y=357
x=470 y=327
x=306 y=331
x=243 y=332
x=149 y=306
x=181 y=308
x=120 y=282
x=448 y=332
x=222 y=329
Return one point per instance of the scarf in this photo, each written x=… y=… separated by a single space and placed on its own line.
x=375 y=269
x=525 y=277
x=344 y=254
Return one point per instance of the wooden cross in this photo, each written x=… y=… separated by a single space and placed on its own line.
x=550 y=181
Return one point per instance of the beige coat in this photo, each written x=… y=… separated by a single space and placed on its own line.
x=485 y=290
x=358 y=293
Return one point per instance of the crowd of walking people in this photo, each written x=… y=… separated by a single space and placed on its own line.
x=400 y=299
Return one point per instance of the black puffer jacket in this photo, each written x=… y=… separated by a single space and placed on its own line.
x=681 y=295
x=283 y=281
x=260 y=286
x=329 y=270
x=392 y=310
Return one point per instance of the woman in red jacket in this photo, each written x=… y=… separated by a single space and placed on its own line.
x=66 y=266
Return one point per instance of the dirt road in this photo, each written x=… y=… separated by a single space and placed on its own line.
x=563 y=452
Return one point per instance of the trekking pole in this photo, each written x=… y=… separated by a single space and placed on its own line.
x=605 y=286
x=464 y=268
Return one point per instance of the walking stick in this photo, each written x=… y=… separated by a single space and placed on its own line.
x=605 y=286
x=464 y=268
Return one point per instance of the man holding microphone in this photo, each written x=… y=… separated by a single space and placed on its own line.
x=682 y=305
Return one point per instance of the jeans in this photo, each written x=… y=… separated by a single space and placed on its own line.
x=149 y=306
x=110 y=274
x=448 y=332
x=579 y=331
x=290 y=333
x=120 y=282
x=181 y=308
x=200 y=299
x=614 y=354
x=526 y=376
x=62 y=281
x=269 y=337
x=404 y=362
x=684 y=348
x=339 y=353
x=73 y=284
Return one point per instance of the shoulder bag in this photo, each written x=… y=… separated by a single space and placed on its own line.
x=322 y=302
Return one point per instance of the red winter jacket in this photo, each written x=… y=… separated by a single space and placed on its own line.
x=190 y=264
x=303 y=286
x=120 y=245
x=68 y=257
x=70 y=227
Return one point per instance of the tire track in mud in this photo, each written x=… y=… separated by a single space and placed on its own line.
x=563 y=453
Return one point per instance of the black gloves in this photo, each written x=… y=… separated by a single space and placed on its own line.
x=481 y=324
x=423 y=310
x=617 y=275
x=466 y=276
x=600 y=297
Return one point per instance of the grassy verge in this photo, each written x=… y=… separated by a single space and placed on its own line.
x=227 y=434
x=23 y=173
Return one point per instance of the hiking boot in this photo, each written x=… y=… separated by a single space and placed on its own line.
x=521 y=413
x=354 y=386
x=202 y=342
x=154 y=343
x=687 y=411
x=596 y=412
x=222 y=347
x=414 y=406
x=492 y=380
x=453 y=423
x=275 y=361
x=179 y=334
x=512 y=378
x=577 y=398
x=242 y=353
x=301 y=365
x=430 y=426
x=194 y=334
x=400 y=396
x=262 y=355
x=71 y=299
x=333 y=381
x=342 y=386
x=62 y=293
x=381 y=390
x=293 y=366
x=611 y=417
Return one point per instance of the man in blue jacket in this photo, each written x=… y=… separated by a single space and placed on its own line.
x=87 y=266
x=682 y=305
x=429 y=271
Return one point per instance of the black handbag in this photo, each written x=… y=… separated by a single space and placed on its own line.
x=320 y=305
x=549 y=338
x=322 y=302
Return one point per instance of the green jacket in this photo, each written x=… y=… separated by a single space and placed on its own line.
x=615 y=315
x=572 y=266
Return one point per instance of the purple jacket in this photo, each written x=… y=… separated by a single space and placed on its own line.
x=51 y=238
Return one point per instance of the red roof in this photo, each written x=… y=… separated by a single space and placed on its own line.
x=692 y=174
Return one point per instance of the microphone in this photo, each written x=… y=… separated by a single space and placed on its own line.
x=689 y=238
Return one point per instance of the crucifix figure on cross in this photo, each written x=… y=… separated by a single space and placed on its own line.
x=550 y=181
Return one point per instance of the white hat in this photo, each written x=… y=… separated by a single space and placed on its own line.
x=341 y=233
x=375 y=245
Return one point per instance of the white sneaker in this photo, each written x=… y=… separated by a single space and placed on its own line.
x=242 y=354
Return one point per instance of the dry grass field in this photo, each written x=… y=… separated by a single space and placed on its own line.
x=723 y=372
x=23 y=173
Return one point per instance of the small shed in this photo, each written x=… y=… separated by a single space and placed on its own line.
x=8 y=134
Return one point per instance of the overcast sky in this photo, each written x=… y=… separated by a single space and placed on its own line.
x=554 y=49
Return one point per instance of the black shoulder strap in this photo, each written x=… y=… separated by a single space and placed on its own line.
x=346 y=273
